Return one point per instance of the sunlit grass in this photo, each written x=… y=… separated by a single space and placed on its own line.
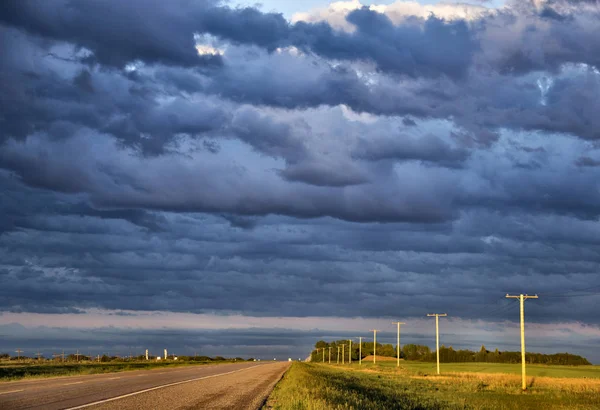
x=534 y=370
x=416 y=386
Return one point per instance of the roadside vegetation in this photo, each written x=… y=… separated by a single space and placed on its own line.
x=12 y=369
x=315 y=386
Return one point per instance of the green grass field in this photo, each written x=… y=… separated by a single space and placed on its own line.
x=416 y=386
x=10 y=371
x=534 y=370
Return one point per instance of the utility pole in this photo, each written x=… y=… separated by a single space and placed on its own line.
x=329 y=354
x=77 y=356
x=146 y=354
x=522 y=299
x=323 y=355
x=360 y=350
x=338 y=356
x=19 y=351
x=398 y=346
x=38 y=355
x=343 y=355
x=437 y=336
x=350 y=352
x=165 y=354
x=374 y=345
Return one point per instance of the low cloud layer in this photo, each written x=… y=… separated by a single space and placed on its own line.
x=352 y=162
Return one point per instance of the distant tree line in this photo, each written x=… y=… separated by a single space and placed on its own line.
x=106 y=358
x=447 y=354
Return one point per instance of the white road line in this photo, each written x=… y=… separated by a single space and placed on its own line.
x=11 y=391
x=156 y=388
x=141 y=375
x=113 y=378
x=68 y=384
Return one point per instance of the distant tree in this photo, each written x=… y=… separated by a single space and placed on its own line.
x=321 y=344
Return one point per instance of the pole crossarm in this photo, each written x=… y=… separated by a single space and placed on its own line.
x=524 y=296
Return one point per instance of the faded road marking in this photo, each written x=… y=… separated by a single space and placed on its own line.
x=68 y=384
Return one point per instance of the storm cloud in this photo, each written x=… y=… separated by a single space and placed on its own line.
x=193 y=157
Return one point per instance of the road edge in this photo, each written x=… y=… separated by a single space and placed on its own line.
x=264 y=402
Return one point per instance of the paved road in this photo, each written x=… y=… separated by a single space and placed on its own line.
x=225 y=386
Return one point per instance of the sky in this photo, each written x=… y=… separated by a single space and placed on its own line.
x=226 y=178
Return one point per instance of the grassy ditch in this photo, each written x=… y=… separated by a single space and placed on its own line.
x=318 y=387
x=12 y=371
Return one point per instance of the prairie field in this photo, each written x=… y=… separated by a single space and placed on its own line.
x=416 y=386
x=11 y=371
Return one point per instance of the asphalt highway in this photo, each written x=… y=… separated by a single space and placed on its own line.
x=224 y=386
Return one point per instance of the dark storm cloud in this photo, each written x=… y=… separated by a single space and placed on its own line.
x=426 y=148
x=486 y=102
x=322 y=174
x=160 y=32
x=117 y=32
x=587 y=162
x=302 y=269
x=414 y=48
x=401 y=167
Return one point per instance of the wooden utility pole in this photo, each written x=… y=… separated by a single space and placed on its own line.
x=77 y=356
x=38 y=355
x=343 y=354
x=350 y=352
x=329 y=354
x=437 y=336
x=398 y=345
x=338 y=356
x=522 y=299
x=19 y=351
x=323 y=355
x=360 y=350
x=374 y=345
